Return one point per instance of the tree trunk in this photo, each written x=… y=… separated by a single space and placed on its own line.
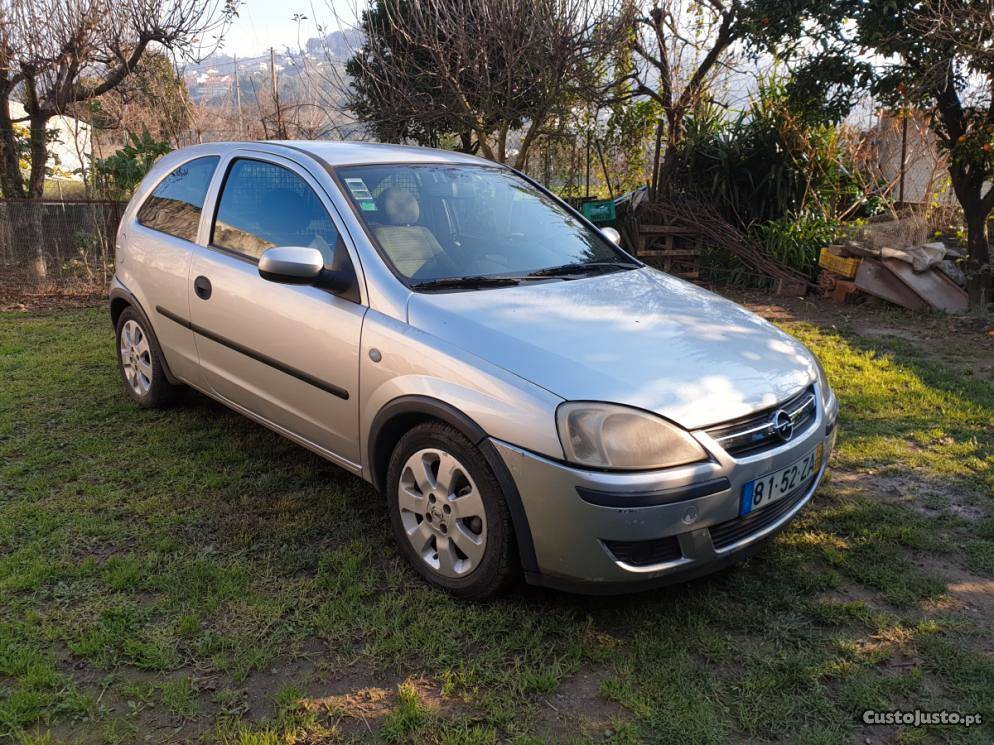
x=654 y=181
x=978 y=262
x=36 y=190
x=969 y=190
x=674 y=139
x=39 y=155
x=11 y=180
x=38 y=269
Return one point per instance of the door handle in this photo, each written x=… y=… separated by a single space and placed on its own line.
x=202 y=286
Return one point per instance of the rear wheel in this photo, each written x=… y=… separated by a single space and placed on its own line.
x=448 y=512
x=139 y=359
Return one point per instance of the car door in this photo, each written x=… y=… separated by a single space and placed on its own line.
x=156 y=266
x=287 y=353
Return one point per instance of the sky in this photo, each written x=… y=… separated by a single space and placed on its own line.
x=269 y=23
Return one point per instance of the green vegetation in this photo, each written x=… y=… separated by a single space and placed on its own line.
x=119 y=174
x=783 y=173
x=185 y=574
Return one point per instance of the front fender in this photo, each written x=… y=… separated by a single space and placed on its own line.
x=413 y=363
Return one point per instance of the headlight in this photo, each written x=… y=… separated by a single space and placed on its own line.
x=823 y=386
x=611 y=436
x=829 y=403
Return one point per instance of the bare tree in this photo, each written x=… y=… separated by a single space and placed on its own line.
x=679 y=48
x=482 y=70
x=57 y=53
x=682 y=46
x=153 y=97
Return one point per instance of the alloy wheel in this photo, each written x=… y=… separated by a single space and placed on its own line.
x=442 y=512
x=136 y=357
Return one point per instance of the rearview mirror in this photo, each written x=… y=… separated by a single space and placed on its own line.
x=291 y=265
x=298 y=265
x=612 y=235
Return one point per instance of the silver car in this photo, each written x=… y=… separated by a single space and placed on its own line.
x=529 y=398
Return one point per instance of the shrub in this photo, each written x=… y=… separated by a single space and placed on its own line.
x=772 y=162
x=119 y=174
x=796 y=240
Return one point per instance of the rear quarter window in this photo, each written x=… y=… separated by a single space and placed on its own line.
x=175 y=205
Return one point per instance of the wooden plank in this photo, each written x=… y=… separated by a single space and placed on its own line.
x=791 y=288
x=874 y=278
x=666 y=230
x=668 y=252
x=932 y=286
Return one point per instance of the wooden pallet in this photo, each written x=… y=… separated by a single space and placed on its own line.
x=678 y=247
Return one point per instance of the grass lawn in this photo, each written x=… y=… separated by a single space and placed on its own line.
x=187 y=575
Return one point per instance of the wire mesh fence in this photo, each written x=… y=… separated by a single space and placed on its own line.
x=58 y=242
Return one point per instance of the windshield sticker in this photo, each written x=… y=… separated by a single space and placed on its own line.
x=358 y=188
x=367 y=205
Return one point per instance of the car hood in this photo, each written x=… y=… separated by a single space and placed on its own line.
x=637 y=337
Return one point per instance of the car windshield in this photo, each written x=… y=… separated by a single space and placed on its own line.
x=447 y=226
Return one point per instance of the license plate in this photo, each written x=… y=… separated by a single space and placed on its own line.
x=775 y=486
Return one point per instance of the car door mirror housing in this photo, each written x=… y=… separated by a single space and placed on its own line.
x=296 y=265
x=612 y=235
x=291 y=265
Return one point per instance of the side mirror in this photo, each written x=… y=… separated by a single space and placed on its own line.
x=291 y=265
x=297 y=265
x=612 y=235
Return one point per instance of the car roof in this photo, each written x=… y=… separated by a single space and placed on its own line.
x=337 y=153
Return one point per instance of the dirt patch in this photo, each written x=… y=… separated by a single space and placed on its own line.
x=577 y=704
x=133 y=698
x=852 y=593
x=927 y=497
x=885 y=331
x=19 y=298
x=971 y=594
x=966 y=342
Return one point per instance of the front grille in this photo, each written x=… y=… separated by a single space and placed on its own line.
x=755 y=433
x=732 y=531
x=645 y=553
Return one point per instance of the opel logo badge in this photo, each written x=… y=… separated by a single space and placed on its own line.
x=782 y=425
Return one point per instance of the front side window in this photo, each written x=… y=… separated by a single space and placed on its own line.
x=265 y=205
x=439 y=223
x=174 y=207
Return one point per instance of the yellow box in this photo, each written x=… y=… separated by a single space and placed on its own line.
x=841 y=266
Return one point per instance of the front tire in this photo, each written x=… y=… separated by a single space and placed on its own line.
x=448 y=513
x=139 y=359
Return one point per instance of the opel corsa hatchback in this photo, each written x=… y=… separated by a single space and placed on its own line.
x=527 y=395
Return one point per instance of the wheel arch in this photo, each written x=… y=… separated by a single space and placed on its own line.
x=402 y=414
x=118 y=303
x=120 y=300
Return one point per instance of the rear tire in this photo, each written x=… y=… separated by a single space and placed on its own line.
x=139 y=360
x=448 y=513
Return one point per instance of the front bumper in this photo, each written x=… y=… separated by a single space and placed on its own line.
x=605 y=532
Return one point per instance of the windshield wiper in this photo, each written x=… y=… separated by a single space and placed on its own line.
x=481 y=281
x=467 y=283
x=583 y=267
